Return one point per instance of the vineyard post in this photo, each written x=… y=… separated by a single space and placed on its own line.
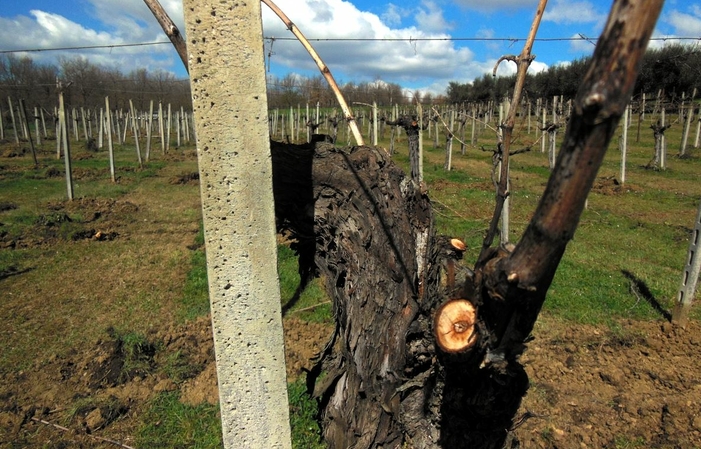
x=687 y=125
x=161 y=131
x=542 y=133
x=449 y=142
x=12 y=117
x=36 y=125
x=110 y=147
x=85 y=123
x=690 y=276
x=227 y=76
x=309 y=128
x=75 y=119
x=663 y=143
x=374 y=123
x=168 y=126
x=64 y=140
x=101 y=129
x=25 y=119
x=149 y=124
x=135 y=130
x=624 y=143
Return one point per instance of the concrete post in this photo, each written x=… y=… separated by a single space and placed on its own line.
x=225 y=56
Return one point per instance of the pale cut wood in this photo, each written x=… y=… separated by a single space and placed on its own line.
x=454 y=326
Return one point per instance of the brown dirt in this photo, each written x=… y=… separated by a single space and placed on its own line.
x=106 y=400
x=637 y=387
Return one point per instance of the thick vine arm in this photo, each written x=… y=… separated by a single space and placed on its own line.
x=523 y=277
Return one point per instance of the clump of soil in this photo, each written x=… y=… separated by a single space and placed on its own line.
x=612 y=186
x=186 y=178
x=7 y=206
x=98 y=218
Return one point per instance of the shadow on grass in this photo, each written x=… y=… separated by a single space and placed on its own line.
x=641 y=290
x=13 y=271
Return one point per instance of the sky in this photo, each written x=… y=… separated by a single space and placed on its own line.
x=432 y=42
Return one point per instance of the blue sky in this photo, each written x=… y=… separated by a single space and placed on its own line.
x=425 y=65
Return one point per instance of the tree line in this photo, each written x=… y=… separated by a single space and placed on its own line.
x=292 y=90
x=87 y=84
x=673 y=69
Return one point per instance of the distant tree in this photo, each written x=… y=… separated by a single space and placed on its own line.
x=84 y=78
x=673 y=68
x=458 y=93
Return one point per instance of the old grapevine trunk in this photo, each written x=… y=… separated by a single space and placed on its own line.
x=367 y=228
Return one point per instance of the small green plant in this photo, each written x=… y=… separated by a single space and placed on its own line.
x=624 y=442
x=303 y=410
x=168 y=423
x=137 y=353
x=178 y=368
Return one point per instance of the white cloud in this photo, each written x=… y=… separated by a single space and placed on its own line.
x=47 y=30
x=686 y=25
x=393 y=15
x=394 y=60
x=430 y=18
x=491 y=5
x=570 y=11
x=41 y=29
x=132 y=21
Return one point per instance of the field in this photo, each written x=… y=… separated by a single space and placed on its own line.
x=107 y=340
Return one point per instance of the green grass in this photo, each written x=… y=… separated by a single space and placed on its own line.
x=306 y=433
x=642 y=228
x=195 y=300
x=137 y=350
x=312 y=302
x=168 y=423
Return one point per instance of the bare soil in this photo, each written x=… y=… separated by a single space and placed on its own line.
x=638 y=385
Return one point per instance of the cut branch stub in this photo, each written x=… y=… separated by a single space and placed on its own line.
x=458 y=245
x=454 y=326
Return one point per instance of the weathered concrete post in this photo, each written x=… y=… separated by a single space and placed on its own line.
x=225 y=55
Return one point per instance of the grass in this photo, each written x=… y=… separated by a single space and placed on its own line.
x=303 y=410
x=168 y=423
x=195 y=299
x=310 y=304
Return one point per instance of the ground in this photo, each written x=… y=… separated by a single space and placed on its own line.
x=634 y=384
